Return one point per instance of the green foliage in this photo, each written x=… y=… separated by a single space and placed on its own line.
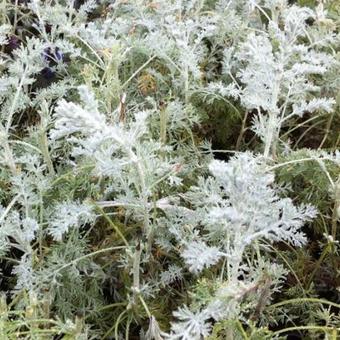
x=169 y=169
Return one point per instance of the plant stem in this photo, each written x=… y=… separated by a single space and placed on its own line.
x=302 y=328
x=71 y=263
x=318 y=264
x=301 y=300
x=113 y=225
x=243 y=129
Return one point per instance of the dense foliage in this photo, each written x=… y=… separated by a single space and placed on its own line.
x=169 y=169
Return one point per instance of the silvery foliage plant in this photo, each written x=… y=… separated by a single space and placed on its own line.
x=272 y=69
x=135 y=153
x=232 y=210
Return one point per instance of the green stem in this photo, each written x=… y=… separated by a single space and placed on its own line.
x=112 y=305
x=301 y=300
x=117 y=230
x=46 y=153
x=71 y=263
x=139 y=69
x=243 y=332
x=318 y=263
x=145 y=306
x=302 y=328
